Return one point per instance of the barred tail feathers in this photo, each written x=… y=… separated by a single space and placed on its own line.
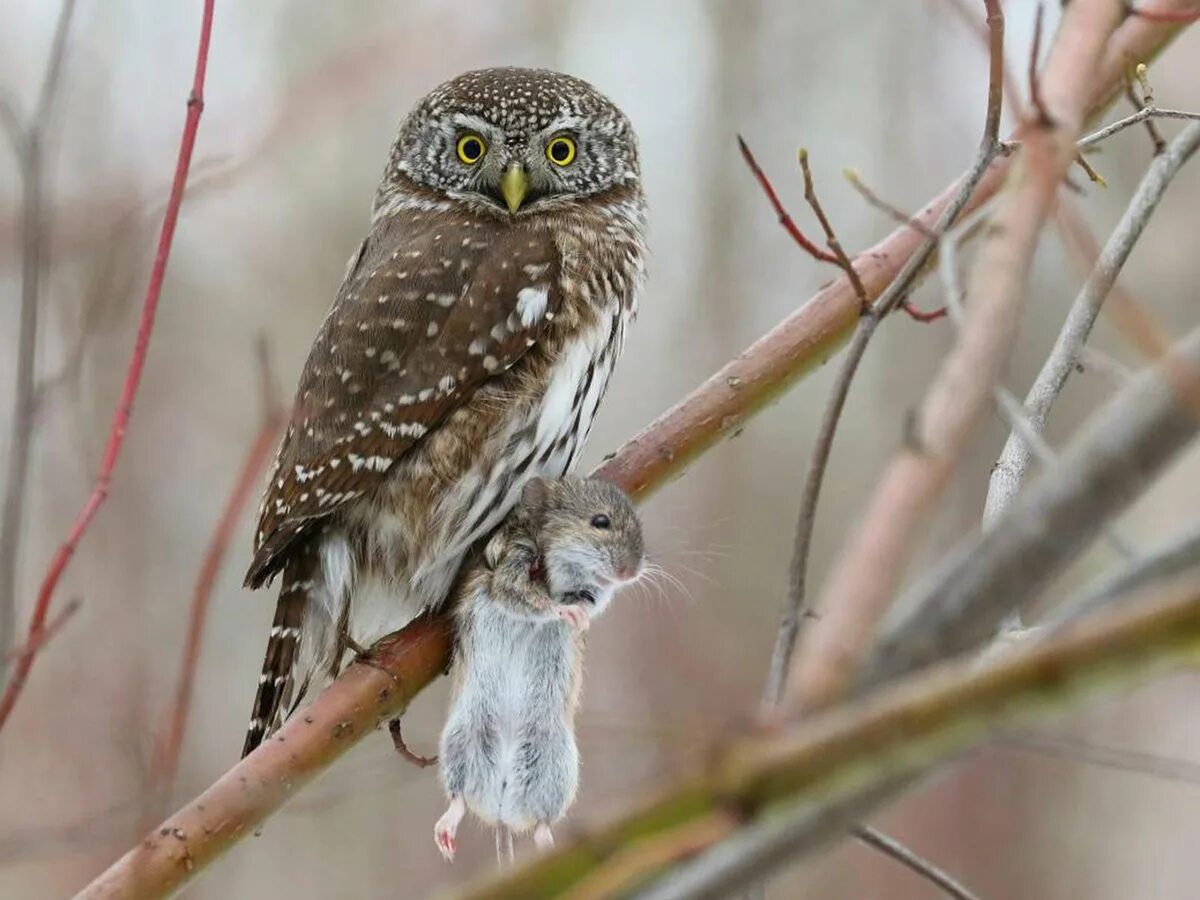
x=276 y=683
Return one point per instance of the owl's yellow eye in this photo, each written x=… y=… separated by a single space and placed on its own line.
x=561 y=151
x=471 y=148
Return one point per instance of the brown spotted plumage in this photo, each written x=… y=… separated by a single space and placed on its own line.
x=467 y=351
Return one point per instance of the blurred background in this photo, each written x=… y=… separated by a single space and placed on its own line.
x=303 y=100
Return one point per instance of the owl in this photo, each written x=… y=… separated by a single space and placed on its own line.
x=466 y=352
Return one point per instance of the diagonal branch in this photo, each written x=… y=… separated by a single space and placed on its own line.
x=1015 y=459
x=133 y=378
x=1109 y=465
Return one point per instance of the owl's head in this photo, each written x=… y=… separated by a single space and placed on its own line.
x=516 y=141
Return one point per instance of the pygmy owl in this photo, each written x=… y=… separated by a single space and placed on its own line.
x=466 y=352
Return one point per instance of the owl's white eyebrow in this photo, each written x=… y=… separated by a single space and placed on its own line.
x=474 y=123
x=565 y=123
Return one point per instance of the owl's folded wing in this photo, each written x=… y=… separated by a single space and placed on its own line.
x=429 y=311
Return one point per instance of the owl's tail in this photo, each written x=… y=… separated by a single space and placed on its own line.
x=275 y=685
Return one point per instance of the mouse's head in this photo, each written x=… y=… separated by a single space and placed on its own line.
x=589 y=533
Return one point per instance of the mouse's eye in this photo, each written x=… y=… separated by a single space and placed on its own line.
x=600 y=520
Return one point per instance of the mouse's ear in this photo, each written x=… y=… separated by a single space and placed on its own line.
x=535 y=497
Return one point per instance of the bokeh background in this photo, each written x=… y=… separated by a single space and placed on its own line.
x=303 y=100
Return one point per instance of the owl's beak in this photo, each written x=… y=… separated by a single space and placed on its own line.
x=514 y=185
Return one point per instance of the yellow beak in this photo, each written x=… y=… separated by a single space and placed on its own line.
x=514 y=186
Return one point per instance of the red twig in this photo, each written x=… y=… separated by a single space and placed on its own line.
x=170 y=739
x=1168 y=16
x=120 y=424
x=806 y=244
x=785 y=218
x=36 y=641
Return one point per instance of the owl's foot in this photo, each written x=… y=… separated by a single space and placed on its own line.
x=447 y=827
x=543 y=837
x=574 y=615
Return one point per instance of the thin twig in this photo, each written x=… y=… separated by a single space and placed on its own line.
x=29 y=144
x=1157 y=141
x=1184 y=771
x=785 y=218
x=910 y=860
x=1149 y=112
x=1042 y=117
x=831 y=239
x=170 y=737
x=1178 y=556
x=133 y=377
x=893 y=211
x=51 y=628
x=1013 y=464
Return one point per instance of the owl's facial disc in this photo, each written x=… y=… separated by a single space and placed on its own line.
x=517 y=141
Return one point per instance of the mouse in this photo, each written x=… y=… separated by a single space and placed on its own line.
x=521 y=606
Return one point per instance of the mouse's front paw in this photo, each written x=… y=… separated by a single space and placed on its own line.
x=574 y=615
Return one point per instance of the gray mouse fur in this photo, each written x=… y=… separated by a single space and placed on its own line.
x=508 y=752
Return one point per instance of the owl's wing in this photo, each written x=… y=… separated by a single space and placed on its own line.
x=429 y=310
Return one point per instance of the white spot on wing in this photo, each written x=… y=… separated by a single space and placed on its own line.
x=531 y=304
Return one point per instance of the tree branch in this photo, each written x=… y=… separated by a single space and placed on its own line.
x=872 y=561
x=1014 y=461
x=794 y=609
x=133 y=378
x=1110 y=464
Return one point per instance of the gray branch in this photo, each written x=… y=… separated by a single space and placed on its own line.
x=1109 y=465
x=1014 y=462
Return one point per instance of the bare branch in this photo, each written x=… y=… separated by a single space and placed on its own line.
x=794 y=609
x=120 y=424
x=1113 y=460
x=872 y=561
x=1172 y=560
x=910 y=860
x=1011 y=468
x=785 y=218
